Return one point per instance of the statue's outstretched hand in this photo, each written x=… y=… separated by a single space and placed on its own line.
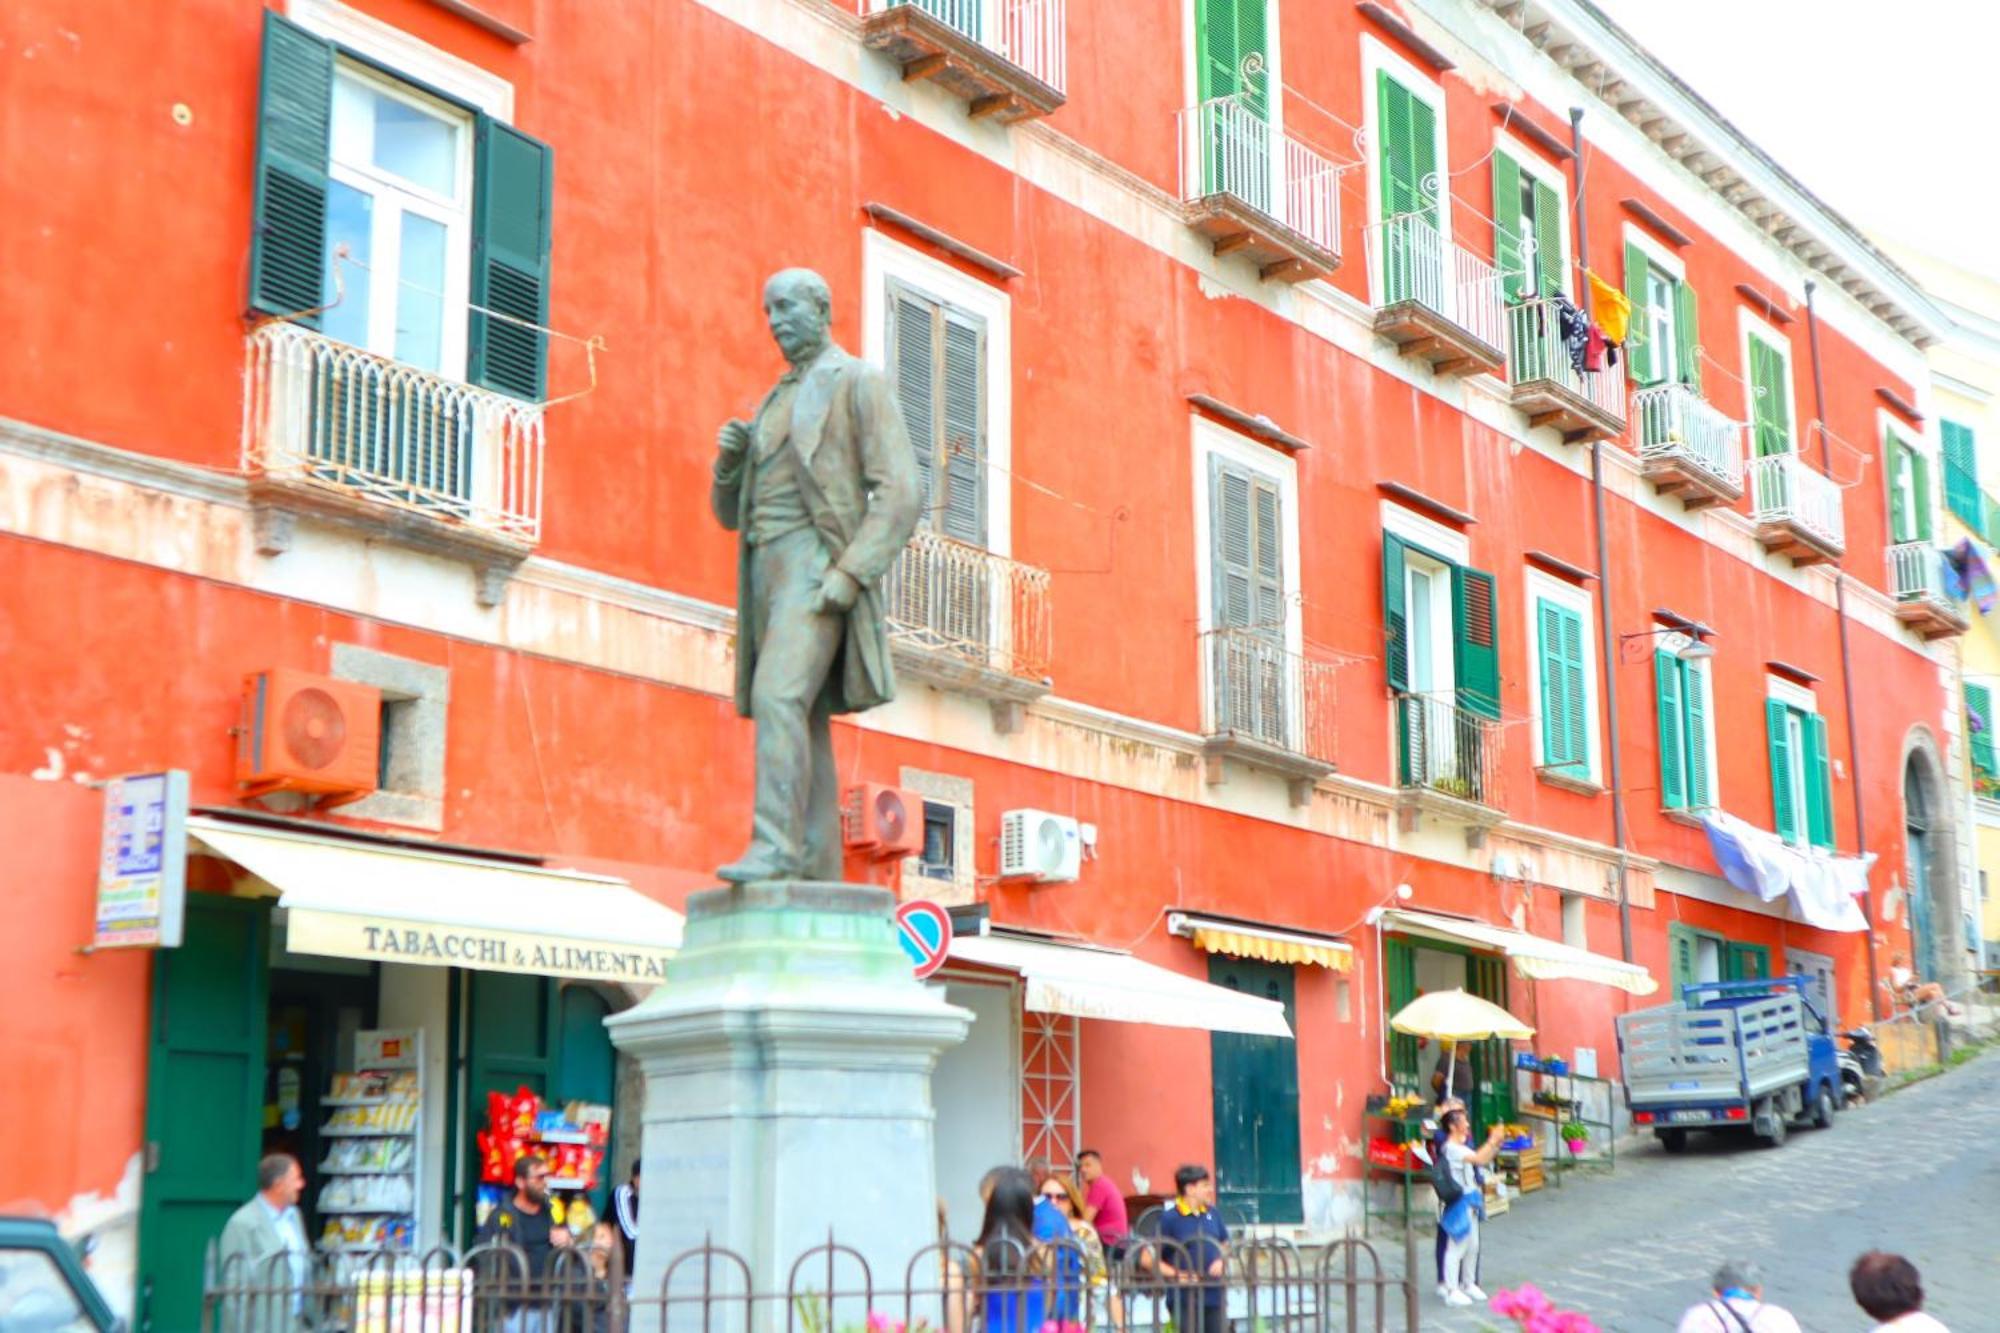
x=837 y=591
x=734 y=437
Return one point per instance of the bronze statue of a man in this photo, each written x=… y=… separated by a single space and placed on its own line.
x=822 y=491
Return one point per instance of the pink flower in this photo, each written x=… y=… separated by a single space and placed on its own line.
x=1523 y=1303
x=881 y=1323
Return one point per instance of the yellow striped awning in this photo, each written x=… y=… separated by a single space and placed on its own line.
x=1240 y=940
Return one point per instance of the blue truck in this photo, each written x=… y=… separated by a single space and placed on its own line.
x=1730 y=1056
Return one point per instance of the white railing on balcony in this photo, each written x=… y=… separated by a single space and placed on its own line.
x=1447 y=749
x=1410 y=260
x=1227 y=148
x=948 y=597
x=1674 y=422
x=1260 y=691
x=1786 y=489
x=1028 y=33
x=319 y=411
x=1536 y=350
x=1917 y=573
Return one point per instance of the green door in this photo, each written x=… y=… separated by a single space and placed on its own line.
x=204 y=1099
x=1400 y=963
x=1232 y=69
x=584 y=1065
x=510 y=1043
x=1492 y=1099
x=1256 y=1090
x=1746 y=962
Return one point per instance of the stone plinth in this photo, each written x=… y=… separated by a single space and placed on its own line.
x=788 y=1063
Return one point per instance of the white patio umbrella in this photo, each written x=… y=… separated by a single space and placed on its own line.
x=1454 y=1016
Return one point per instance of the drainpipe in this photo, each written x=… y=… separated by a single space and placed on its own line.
x=1607 y=641
x=1846 y=662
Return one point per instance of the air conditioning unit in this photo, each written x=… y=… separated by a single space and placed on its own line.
x=882 y=822
x=1036 y=845
x=307 y=733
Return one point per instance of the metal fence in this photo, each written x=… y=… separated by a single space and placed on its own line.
x=1260 y=690
x=1917 y=573
x=1786 y=489
x=320 y=411
x=1537 y=351
x=1029 y=33
x=1413 y=262
x=1265 y=1285
x=1448 y=749
x=1228 y=148
x=1675 y=422
x=949 y=597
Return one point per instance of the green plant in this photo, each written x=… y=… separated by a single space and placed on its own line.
x=1575 y=1131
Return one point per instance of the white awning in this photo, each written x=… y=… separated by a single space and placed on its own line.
x=1547 y=960
x=389 y=904
x=1087 y=982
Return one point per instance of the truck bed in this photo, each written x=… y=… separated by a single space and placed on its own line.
x=1674 y=1055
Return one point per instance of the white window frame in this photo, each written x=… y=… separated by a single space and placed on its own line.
x=412 y=56
x=1440 y=643
x=1447 y=544
x=1209 y=441
x=1376 y=60
x=882 y=259
x=1666 y=261
x=1931 y=445
x=1530 y=161
x=395 y=196
x=1545 y=587
x=1677 y=644
x=1747 y=326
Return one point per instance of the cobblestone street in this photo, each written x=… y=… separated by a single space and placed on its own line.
x=1633 y=1248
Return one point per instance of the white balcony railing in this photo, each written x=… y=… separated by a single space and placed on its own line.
x=1227 y=148
x=1448 y=749
x=1917 y=572
x=1412 y=261
x=1027 y=33
x=1785 y=489
x=1260 y=691
x=319 y=411
x=1536 y=350
x=1675 y=422
x=948 y=597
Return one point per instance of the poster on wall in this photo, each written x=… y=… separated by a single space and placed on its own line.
x=142 y=862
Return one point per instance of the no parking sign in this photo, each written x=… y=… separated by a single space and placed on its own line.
x=924 y=930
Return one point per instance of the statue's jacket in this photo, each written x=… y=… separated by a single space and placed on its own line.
x=858 y=478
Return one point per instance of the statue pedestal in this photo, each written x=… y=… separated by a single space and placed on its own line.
x=788 y=1062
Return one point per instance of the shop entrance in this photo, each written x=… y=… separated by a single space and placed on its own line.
x=1256 y=1090
x=1418 y=969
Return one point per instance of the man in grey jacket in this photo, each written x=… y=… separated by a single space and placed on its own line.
x=264 y=1254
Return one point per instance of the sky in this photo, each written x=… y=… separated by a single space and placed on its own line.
x=1884 y=111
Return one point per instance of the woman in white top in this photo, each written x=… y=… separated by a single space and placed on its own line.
x=1737 y=1306
x=1461 y=1253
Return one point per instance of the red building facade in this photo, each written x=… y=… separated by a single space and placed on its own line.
x=1276 y=541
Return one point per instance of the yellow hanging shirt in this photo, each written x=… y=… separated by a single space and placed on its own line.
x=1609 y=309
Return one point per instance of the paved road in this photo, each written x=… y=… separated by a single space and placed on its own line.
x=1632 y=1247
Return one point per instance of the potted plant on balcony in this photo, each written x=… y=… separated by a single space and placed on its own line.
x=1576 y=1135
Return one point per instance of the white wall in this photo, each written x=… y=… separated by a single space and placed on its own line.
x=418 y=997
x=977 y=1093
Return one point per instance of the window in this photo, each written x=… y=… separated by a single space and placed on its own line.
x=1441 y=620
x=938 y=860
x=1961 y=476
x=1232 y=58
x=938 y=362
x=442 y=208
x=1770 y=393
x=1687 y=732
x=1695 y=955
x=1979 y=731
x=1250 y=677
x=1528 y=229
x=1564 y=692
x=1412 y=260
x=1908 y=474
x=1575 y=932
x=1801 y=781
x=1667 y=348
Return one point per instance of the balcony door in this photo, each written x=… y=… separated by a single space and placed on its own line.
x=1232 y=83
x=1433 y=679
x=1249 y=668
x=1413 y=261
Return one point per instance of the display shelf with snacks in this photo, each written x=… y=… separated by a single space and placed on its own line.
x=570 y=1137
x=370 y=1172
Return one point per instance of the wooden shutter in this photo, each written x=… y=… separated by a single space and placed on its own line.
x=1680 y=957
x=1507 y=255
x=1920 y=495
x=961 y=465
x=1687 y=336
x=1784 y=819
x=1564 y=720
x=1476 y=651
x=1819 y=783
x=1898 y=460
x=1694 y=706
x=1227 y=33
x=912 y=341
x=1395 y=613
x=1423 y=158
x=513 y=197
x=1252 y=36
x=1644 y=366
x=1770 y=412
x=294 y=145
x=1979 y=727
x=1961 y=475
x=1245 y=553
x=1400 y=969
x=1673 y=731
x=1550 y=263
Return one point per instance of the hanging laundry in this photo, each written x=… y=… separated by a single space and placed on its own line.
x=1594 y=348
x=1575 y=331
x=1611 y=308
x=1966 y=576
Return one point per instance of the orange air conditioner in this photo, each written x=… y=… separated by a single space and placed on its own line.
x=305 y=733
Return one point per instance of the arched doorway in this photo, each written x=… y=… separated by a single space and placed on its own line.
x=1931 y=857
x=1917 y=833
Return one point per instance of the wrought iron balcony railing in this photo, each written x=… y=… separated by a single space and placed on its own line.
x=1675 y=423
x=1584 y=404
x=1786 y=490
x=953 y=599
x=1443 y=748
x=1028 y=34
x=1228 y=149
x=1411 y=261
x=1264 y=694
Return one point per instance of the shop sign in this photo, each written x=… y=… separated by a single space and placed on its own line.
x=386 y=940
x=142 y=861
x=924 y=930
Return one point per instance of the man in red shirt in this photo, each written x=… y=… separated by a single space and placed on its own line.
x=1103 y=1205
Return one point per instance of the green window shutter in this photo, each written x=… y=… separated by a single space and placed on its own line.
x=1638 y=348
x=1507 y=255
x=1548 y=618
x=1694 y=706
x=1423 y=157
x=513 y=198
x=1400 y=971
x=1475 y=620
x=1565 y=724
x=1920 y=492
x=1784 y=819
x=1979 y=727
x=1819 y=784
x=1252 y=39
x=1770 y=412
x=1550 y=262
x=1961 y=475
x=1898 y=460
x=1218 y=61
x=961 y=511
x=288 y=258
x=1673 y=731
x=1680 y=957
x=912 y=341
x=1392 y=123
x=1395 y=613
x=1687 y=336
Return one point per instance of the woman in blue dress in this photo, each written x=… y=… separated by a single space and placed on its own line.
x=1011 y=1279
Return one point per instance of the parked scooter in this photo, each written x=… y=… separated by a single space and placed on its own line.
x=1860 y=1064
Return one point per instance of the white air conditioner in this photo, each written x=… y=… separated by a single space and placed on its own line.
x=1039 y=846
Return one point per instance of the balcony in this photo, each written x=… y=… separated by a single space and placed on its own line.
x=1258 y=193
x=964 y=619
x=1584 y=405
x=1435 y=300
x=1687 y=448
x=1005 y=58
x=348 y=437
x=1917 y=575
x=1269 y=708
x=1447 y=764
x=1796 y=510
